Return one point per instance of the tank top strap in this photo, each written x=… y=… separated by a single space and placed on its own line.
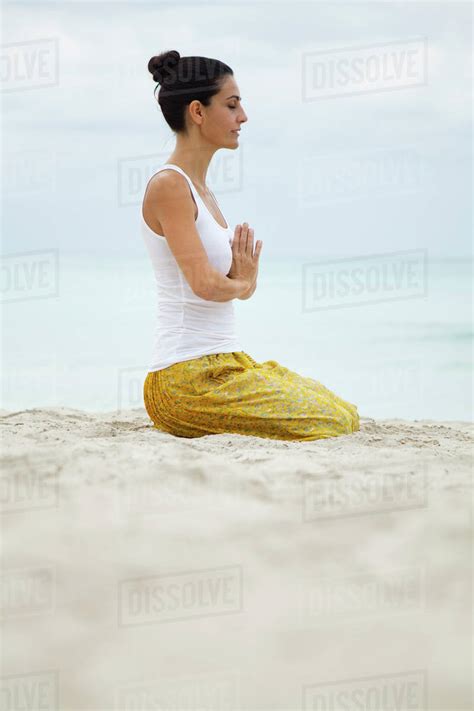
x=201 y=205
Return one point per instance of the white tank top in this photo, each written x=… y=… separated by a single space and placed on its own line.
x=187 y=326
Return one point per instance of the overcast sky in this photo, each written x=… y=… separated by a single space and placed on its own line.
x=328 y=165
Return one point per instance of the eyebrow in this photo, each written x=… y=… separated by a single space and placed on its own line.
x=234 y=96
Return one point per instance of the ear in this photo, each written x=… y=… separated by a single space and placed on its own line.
x=195 y=111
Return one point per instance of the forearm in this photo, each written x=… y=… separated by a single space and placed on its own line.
x=249 y=293
x=222 y=288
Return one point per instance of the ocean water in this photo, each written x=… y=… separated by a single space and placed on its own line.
x=396 y=341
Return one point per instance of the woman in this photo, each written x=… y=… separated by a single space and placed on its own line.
x=200 y=380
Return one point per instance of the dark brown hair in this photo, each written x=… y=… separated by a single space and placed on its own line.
x=184 y=79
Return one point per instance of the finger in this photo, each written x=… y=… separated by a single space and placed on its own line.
x=250 y=241
x=237 y=238
x=258 y=248
x=244 y=236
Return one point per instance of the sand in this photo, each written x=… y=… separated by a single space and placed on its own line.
x=144 y=571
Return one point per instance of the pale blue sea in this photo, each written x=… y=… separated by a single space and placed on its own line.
x=78 y=332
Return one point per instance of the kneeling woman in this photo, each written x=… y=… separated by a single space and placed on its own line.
x=200 y=381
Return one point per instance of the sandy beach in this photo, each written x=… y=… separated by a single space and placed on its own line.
x=143 y=571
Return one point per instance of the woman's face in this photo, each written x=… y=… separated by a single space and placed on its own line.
x=224 y=116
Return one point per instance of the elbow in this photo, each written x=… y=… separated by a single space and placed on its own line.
x=201 y=281
x=204 y=285
x=203 y=294
x=203 y=290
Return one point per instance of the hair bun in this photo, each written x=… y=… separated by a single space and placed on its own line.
x=159 y=65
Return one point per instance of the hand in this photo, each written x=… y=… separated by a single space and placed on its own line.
x=244 y=259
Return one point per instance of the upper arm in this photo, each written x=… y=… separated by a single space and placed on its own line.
x=171 y=202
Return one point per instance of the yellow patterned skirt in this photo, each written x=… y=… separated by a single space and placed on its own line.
x=231 y=392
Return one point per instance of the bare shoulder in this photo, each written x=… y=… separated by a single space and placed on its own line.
x=167 y=194
x=169 y=189
x=166 y=183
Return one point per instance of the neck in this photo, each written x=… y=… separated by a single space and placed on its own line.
x=193 y=158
